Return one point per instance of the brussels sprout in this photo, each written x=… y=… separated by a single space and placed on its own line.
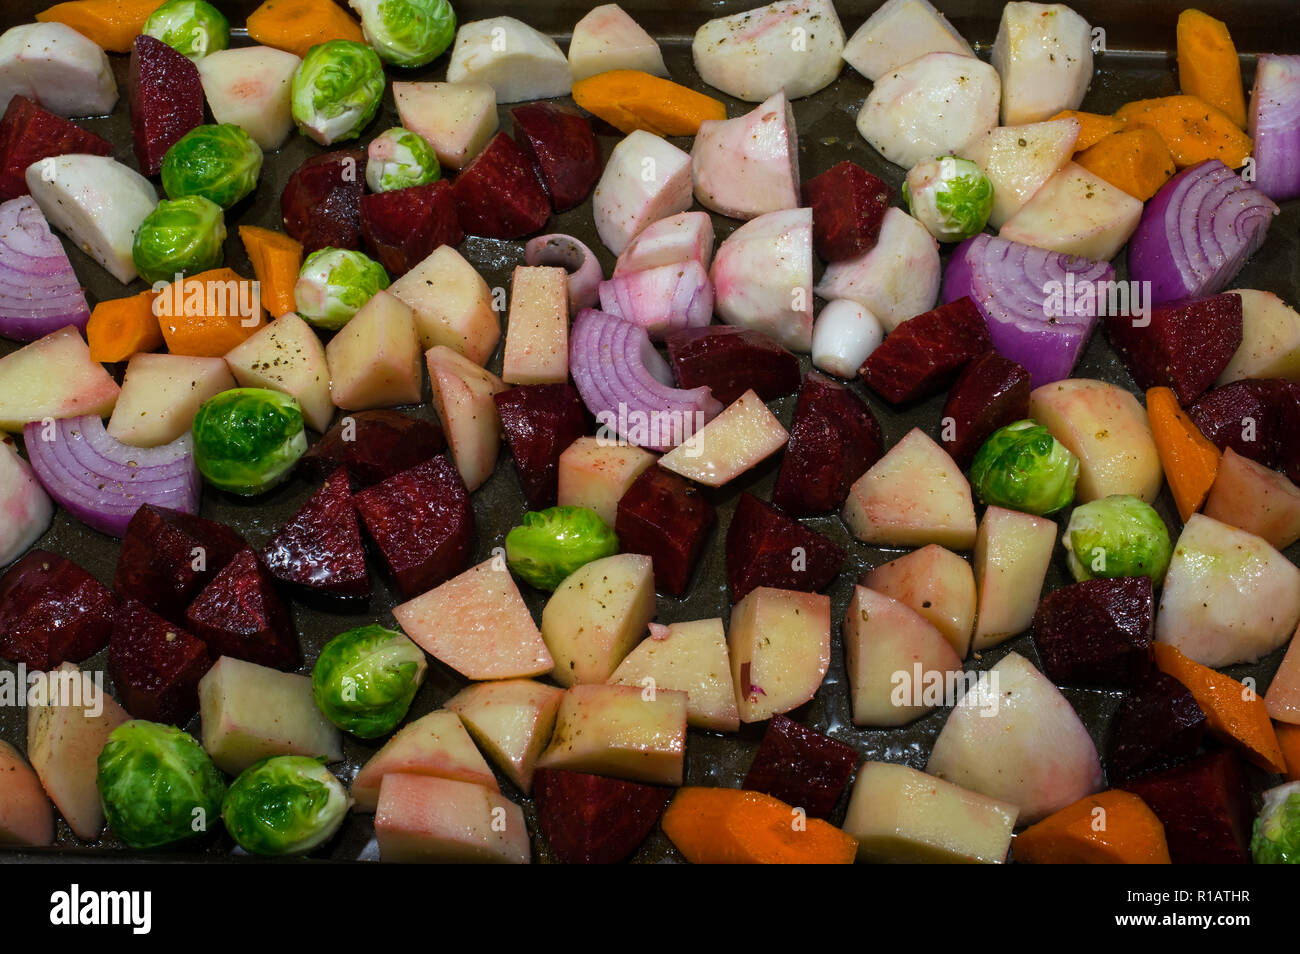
x=220 y=163
x=246 y=440
x=365 y=679
x=1276 y=839
x=398 y=159
x=1023 y=467
x=284 y=805
x=334 y=283
x=550 y=544
x=336 y=90
x=192 y=27
x=179 y=236
x=407 y=32
x=157 y=784
x=951 y=197
x=1119 y=535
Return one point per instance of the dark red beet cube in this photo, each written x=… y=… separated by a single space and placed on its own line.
x=1259 y=419
x=1098 y=632
x=540 y=421
x=593 y=820
x=801 y=767
x=29 y=134
x=373 y=446
x=320 y=547
x=731 y=361
x=667 y=518
x=52 y=611
x=166 y=97
x=498 y=195
x=924 y=355
x=1183 y=345
x=156 y=666
x=991 y=392
x=422 y=522
x=321 y=202
x=562 y=147
x=1205 y=808
x=834 y=440
x=239 y=614
x=848 y=205
x=403 y=226
x=1157 y=725
x=167 y=557
x=767 y=548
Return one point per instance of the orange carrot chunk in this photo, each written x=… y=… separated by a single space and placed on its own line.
x=1190 y=461
x=298 y=25
x=1288 y=737
x=276 y=261
x=1093 y=127
x=1192 y=129
x=630 y=99
x=112 y=24
x=1109 y=828
x=721 y=826
x=207 y=314
x=121 y=327
x=1208 y=67
x=1136 y=160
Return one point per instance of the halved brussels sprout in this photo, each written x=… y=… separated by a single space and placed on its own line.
x=336 y=90
x=220 y=163
x=550 y=544
x=334 y=283
x=284 y=805
x=1276 y=838
x=157 y=784
x=1023 y=467
x=398 y=159
x=192 y=27
x=407 y=32
x=951 y=197
x=365 y=679
x=1119 y=535
x=179 y=236
x=246 y=440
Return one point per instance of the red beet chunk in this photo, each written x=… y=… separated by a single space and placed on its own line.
x=848 y=205
x=730 y=361
x=156 y=666
x=667 y=518
x=834 y=439
x=1185 y=346
x=767 y=548
x=562 y=147
x=166 y=97
x=52 y=611
x=801 y=767
x=320 y=547
x=167 y=557
x=373 y=446
x=422 y=522
x=540 y=421
x=1157 y=725
x=29 y=134
x=321 y=202
x=924 y=355
x=1098 y=632
x=403 y=226
x=498 y=195
x=1257 y=419
x=239 y=614
x=1204 y=807
x=991 y=392
x=593 y=820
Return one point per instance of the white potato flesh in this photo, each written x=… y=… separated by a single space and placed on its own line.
x=744 y=435
x=935 y=105
x=623 y=731
x=1283 y=697
x=511 y=720
x=748 y=165
x=1012 y=553
x=251 y=87
x=936 y=583
x=1228 y=596
x=685 y=237
x=1255 y=498
x=287 y=356
x=537 y=330
x=897 y=279
x=26 y=506
x=510 y=56
x=55 y=377
x=594 y=473
x=26 y=816
x=452 y=305
x=462 y=397
x=160 y=395
x=1076 y=213
x=897 y=33
x=1019 y=159
x=97 y=202
x=844 y=335
x=57 y=67
x=1270 y=339
x=762 y=277
x=455 y=119
x=374 y=360
x=688 y=657
x=779 y=642
x=421 y=820
x=608 y=39
x=1043 y=52
x=1015 y=738
x=647 y=178
x=595 y=617
x=434 y=745
x=791 y=45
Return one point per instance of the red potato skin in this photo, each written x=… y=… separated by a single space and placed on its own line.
x=382 y=443
x=1204 y=806
x=29 y=134
x=320 y=547
x=1158 y=724
x=924 y=355
x=166 y=97
x=848 y=204
x=498 y=195
x=991 y=392
x=760 y=549
x=562 y=147
x=801 y=767
x=239 y=614
x=156 y=666
x=593 y=820
x=52 y=611
x=730 y=361
x=540 y=421
x=1097 y=632
x=1259 y=419
x=321 y=202
x=665 y=516
x=1185 y=347
x=403 y=227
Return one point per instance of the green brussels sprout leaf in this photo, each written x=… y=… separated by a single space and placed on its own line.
x=192 y=27
x=398 y=159
x=1276 y=837
x=951 y=197
x=334 y=283
x=550 y=544
x=1023 y=467
x=1119 y=535
x=365 y=679
x=407 y=32
x=246 y=440
x=336 y=90
x=284 y=805
x=220 y=163
x=179 y=236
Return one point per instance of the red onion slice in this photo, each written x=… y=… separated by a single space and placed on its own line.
x=103 y=482
x=39 y=292
x=567 y=252
x=1275 y=126
x=661 y=300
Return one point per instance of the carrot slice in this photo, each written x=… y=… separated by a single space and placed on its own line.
x=207 y=314
x=1136 y=160
x=1288 y=737
x=298 y=25
x=1109 y=828
x=276 y=260
x=1192 y=129
x=1208 y=67
x=121 y=327
x=720 y=826
x=630 y=99
x=1093 y=127
x=112 y=24
x=1233 y=711
x=1190 y=461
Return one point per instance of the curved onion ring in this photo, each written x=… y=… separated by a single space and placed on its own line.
x=39 y=292
x=574 y=257
x=660 y=300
